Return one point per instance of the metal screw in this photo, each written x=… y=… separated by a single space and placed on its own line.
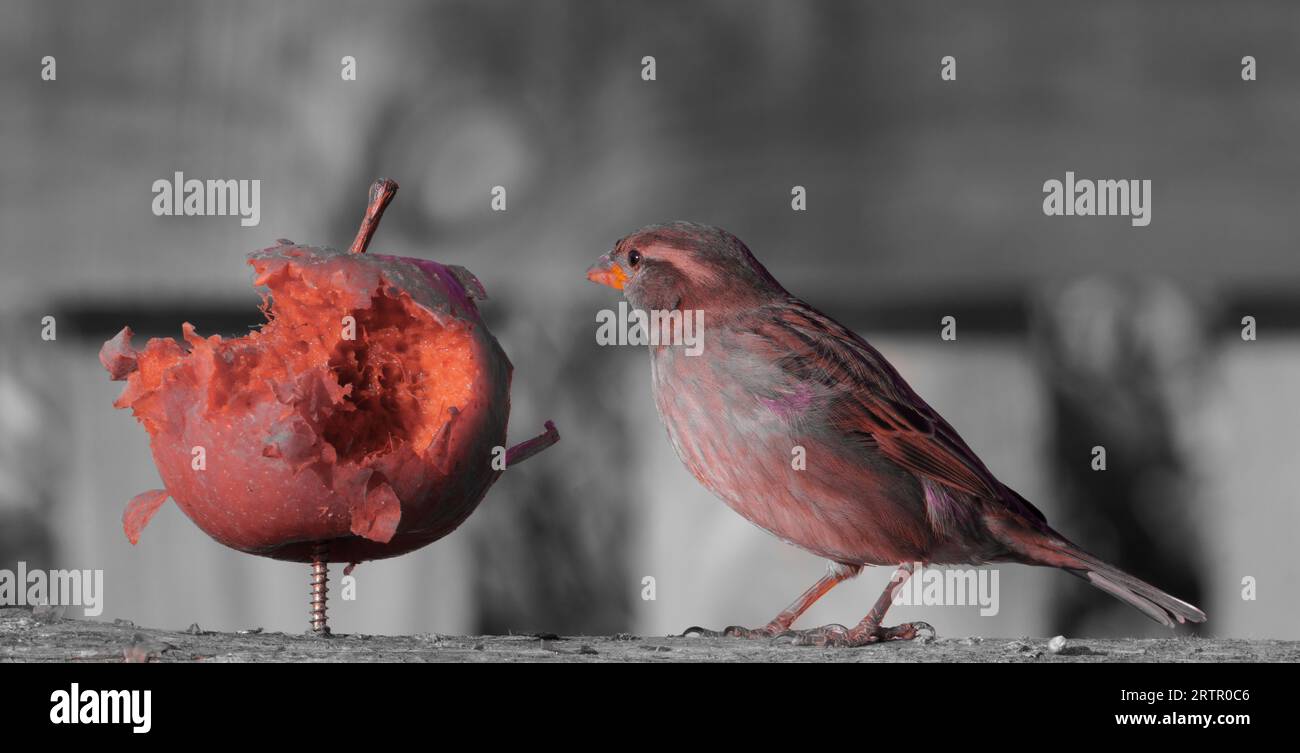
x=319 y=587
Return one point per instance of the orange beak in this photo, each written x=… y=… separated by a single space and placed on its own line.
x=607 y=272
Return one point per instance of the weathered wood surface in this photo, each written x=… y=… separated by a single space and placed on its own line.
x=33 y=637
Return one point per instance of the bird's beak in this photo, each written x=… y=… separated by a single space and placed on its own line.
x=606 y=271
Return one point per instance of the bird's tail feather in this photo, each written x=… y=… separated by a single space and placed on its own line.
x=1153 y=602
x=1056 y=551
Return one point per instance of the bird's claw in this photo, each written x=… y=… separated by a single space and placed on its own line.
x=695 y=631
x=839 y=636
x=922 y=631
x=732 y=631
x=826 y=635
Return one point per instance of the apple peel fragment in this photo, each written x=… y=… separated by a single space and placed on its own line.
x=377 y=518
x=140 y=510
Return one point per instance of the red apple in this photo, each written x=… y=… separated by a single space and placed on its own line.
x=366 y=413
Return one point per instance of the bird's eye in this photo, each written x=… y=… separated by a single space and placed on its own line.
x=633 y=257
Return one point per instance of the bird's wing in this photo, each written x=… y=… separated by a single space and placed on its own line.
x=871 y=402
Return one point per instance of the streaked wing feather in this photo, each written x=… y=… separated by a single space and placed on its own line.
x=872 y=398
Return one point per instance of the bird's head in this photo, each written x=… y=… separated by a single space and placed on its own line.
x=683 y=264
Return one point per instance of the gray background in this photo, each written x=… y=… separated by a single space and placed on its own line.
x=924 y=201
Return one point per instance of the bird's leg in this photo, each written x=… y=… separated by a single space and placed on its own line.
x=870 y=629
x=782 y=622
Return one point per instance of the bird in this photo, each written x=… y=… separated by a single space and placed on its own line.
x=885 y=481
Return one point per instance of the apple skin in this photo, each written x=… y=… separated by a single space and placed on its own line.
x=271 y=485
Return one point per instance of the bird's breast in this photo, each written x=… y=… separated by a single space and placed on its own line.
x=771 y=460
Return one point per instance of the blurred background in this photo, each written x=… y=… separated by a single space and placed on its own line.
x=923 y=201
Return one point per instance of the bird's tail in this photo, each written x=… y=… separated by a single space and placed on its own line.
x=1054 y=550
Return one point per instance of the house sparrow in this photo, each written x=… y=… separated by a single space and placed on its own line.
x=887 y=481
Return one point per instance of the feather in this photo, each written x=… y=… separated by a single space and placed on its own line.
x=871 y=398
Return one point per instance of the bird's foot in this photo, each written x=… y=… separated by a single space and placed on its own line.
x=862 y=635
x=735 y=631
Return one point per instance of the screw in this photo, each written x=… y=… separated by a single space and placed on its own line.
x=319 y=587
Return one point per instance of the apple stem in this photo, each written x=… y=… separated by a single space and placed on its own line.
x=524 y=450
x=382 y=192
